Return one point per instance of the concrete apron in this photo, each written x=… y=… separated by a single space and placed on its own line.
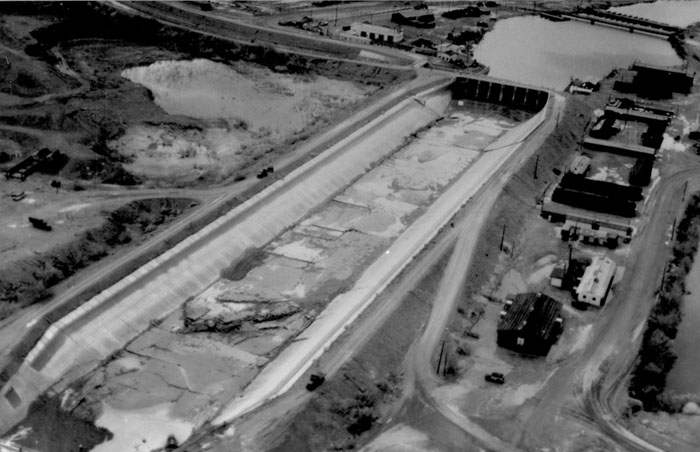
x=83 y=339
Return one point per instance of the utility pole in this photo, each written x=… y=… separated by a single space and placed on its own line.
x=442 y=349
x=537 y=161
x=335 y=23
x=444 y=365
x=503 y=236
x=663 y=277
x=685 y=187
x=673 y=229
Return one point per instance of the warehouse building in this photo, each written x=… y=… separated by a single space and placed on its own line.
x=368 y=33
x=596 y=282
x=530 y=323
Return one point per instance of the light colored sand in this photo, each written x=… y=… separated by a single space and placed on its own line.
x=247 y=107
x=400 y=438
x=75 y=207
x=539 y=275
x=263 y=99
x=140 y=430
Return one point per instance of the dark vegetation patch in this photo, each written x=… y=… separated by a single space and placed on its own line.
x=29 y=280
x=656 y=356
x=56 y=429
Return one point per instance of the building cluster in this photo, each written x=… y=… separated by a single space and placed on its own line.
x=655 y=82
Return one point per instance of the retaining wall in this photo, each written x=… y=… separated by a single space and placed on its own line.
x=496 y=92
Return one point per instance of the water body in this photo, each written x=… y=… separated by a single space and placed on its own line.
x=683 y=378
x=540 y=52
x=679 y=13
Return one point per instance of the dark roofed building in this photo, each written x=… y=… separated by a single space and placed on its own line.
x=531 y=323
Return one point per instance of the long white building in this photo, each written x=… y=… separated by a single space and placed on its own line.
x=596 y=281
x=368 y=33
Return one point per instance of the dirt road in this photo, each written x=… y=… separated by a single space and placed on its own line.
x=598 y=395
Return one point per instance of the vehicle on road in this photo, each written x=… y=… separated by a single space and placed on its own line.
x=315 y=381
x=495 y=377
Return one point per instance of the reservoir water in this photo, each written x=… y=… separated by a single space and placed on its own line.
x=540 y=52
x=683 y=378
x=680 y=13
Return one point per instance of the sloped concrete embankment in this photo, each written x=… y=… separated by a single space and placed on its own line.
x=279 y=375
x=81 y=340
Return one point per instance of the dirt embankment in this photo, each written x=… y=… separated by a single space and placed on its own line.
x=29 y=280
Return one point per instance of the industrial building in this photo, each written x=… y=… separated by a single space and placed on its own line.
x=557 y=276
x=590 y=227
x=596 y=282
x=368 y=33
x=530 y=323
x=418 y=19
x=656 y=82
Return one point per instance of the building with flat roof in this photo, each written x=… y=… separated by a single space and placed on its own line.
x=580 y=165
x=596 y=281
x=530 y=323
x=368 y=33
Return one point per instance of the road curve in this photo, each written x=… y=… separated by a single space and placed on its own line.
x=599 y=394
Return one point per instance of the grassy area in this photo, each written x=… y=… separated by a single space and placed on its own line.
x=656 y=355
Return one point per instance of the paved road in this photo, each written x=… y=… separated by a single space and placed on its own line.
x=245 y=32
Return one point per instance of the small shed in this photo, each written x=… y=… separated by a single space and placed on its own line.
x=556 y=278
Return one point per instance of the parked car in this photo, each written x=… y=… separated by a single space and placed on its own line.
x=495 y=377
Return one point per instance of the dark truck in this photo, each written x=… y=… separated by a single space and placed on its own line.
x=38 y=223
x=315 y=381
x=495 y=377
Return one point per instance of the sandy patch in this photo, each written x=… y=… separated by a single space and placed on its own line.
x=670 y=144
x=582 y=336
x=74 y=208
x=247 y=108
x=540 y=275
x=140 y=430
x=512 y=283
x=516 y=396
x=399 y=438
x=372 y=55
x=263 y=99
